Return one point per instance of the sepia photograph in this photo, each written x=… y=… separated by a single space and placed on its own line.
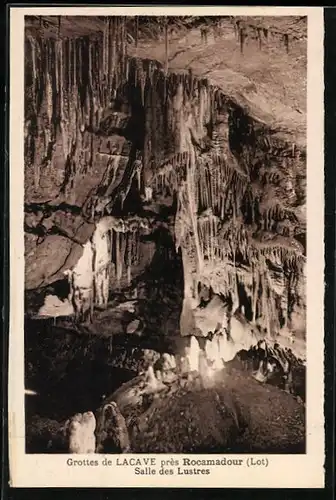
x=165 y=234
x=165 y=248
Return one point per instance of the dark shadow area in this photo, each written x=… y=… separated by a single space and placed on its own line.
x=71 y=370
x=69 y=373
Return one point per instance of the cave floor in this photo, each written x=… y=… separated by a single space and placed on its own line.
x=236 y=415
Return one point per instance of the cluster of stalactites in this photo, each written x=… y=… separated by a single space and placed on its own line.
x=245 y=30
x=222 y=236
x=122 y=250
x=269 y=297
x=233 y=241
x=87 y=65
x=69 y=84
x=211 y=191
x=225 y=243
x=220 y=192
x=220 y=187
x=176 y=106
x=125 y=253
x=108 y=258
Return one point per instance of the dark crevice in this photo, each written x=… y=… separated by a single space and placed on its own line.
x=42 y=232
x=47 y=209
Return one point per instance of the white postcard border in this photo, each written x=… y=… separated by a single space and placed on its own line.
x=282 y=471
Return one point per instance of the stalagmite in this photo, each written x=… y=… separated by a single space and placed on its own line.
x=153 y=384
x=148 y=194
x=80 y=431
x=129 y=274
x=106 y=283
x=212 y=353
x=192 y=354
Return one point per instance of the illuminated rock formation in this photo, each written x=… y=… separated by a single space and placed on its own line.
x=81 y=433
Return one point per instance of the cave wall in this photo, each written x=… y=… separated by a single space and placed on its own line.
x=109 y=139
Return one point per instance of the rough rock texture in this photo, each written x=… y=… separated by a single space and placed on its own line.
x=203 y=420
x=165 y=176
x=117 y=137
x=112 y=432
x=189 y=412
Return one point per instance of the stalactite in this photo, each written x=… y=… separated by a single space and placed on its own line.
x=123 y=243
x=58 y=81
x=136 y=31
x=166 y=46
x=34 y=72
x=106 y=47
x=118 y=256
x=111 y=52
x=90 y=63
x=122 y=43
x=68 y=59
x=142 y=86
x=49 y=89
x=242 y=36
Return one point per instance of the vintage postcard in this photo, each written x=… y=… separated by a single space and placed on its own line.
x=166 y=247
